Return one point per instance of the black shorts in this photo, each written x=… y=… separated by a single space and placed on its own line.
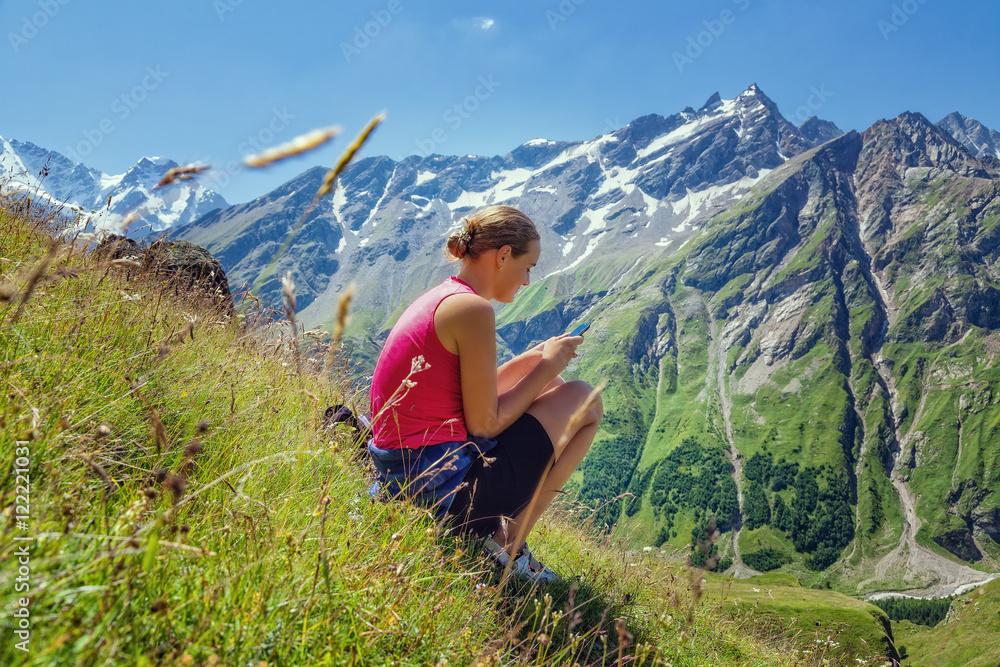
x=503 y=487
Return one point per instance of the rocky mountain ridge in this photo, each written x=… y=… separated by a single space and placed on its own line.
x=837 y=331
x=798 y=326
x=630 y=194
x=980 y=140
x=103 y=202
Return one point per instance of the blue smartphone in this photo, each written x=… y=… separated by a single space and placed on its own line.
x=580 y=329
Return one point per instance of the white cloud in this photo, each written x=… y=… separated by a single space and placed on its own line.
x=483 y=23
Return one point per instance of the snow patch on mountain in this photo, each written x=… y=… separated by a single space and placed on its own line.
x=591 y=247
x=511 y=183
x=683 y=132
x=617 y=179
x=597 y=217
x=472 y=199
x=699 y=204
x=633 y=193
x=588 y=149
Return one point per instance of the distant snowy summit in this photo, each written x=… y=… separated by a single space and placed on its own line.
x=979 y=139
x=83 y=192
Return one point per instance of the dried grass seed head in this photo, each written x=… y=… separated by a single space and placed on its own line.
x=343 y=306
x=288 y=287
x=176 y=484
x=193 y=449
x=345 y=159
x=300 y=144
x=180 y=173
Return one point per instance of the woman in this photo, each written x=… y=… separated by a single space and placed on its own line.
x=457 y=434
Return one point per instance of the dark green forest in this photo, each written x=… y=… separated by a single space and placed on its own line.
x=818 y=520
x=923 y=612
x=810 y=506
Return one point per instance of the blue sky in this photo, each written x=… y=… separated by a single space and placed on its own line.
x=212 y=80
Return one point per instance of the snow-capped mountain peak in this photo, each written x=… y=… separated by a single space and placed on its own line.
x=83 y=192
x=980 y=140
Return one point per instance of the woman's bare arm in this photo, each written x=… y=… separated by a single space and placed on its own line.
x=466 y=323
x=511 y=372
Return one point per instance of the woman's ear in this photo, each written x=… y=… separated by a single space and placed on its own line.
x=503 y=254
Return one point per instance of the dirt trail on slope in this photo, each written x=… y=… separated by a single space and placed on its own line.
x=858 y=467
x=932 y=575
x=717 y=361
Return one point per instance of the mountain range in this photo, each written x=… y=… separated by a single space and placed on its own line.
x=633 y=193
x=102 y=202
x=798 y=326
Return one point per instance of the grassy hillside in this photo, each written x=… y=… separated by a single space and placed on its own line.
x=968 y=637
x=187 y=508
x=825 y=621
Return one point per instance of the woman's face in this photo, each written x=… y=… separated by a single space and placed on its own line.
x=516 y=271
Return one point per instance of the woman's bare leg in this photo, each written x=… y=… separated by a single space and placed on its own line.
x=554 y=409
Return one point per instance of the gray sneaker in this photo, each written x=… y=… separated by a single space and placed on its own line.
x=522 y=562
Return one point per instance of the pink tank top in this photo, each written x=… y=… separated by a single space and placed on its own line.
x=429 y=412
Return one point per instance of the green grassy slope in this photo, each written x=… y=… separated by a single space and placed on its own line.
x=841 y=344
x=801 y=414
x=186 y=508
x=825 y=621
x=968 y=637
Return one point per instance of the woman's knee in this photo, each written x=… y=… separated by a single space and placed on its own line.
x=568 y=407
x=589 y=401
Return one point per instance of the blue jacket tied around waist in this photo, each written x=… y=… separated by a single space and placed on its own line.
x=430 y=476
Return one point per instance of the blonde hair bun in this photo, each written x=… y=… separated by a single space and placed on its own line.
x=489 y=228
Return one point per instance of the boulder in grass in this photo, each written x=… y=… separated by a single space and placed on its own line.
x=188 y=267
x=120 y=247
x=184 y=265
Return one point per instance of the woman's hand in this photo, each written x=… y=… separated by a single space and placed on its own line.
x=560 y=350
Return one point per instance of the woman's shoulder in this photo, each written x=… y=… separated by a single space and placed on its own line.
x=464 y=316
x=465 y=304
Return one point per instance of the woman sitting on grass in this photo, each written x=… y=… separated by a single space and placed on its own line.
x=461 y=436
